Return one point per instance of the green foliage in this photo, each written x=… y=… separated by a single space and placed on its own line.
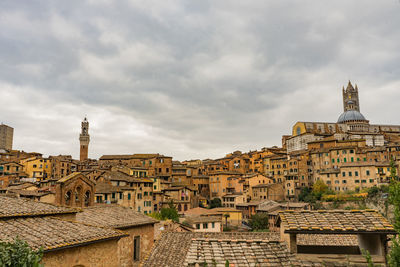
x=394 y=199
x=393 y=169
x=384 y=188
x=259 y=221
x=319 y=188
x=155 y=215
x=215 y=203
x=18 y=254
x=372 y=191
x=169 y=213
x=304 y=194
x=368 y=257
x=227 y=229
x=226 y=263
x=394 y=255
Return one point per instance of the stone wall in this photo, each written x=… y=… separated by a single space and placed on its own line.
x=102 y=254
x=125 y=244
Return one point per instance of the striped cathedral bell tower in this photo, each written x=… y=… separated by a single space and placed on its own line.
x=84 y=140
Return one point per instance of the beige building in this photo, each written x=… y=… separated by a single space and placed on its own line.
x=65 y=242
x=232 y=200
x=138 y=230
x=6 y=137
x=209 y=224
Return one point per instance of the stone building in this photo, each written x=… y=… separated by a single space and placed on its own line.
x=138 y=230
x=221 y=182
x=351 y=125
x=119 y=187
x=6 y=137
x=62 y=165
x=159 y=166
x=65 y=242
x=75 y=190
x=37 y=167
x=368 y=228
x=209 y=224
x=84 y=139
x=274 y=192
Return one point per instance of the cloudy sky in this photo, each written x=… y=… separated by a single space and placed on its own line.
x=190 y=79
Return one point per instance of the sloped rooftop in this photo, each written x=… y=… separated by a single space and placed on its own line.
x=335 y=222
x=52 y=233
x=115 y=216
x=11 y=207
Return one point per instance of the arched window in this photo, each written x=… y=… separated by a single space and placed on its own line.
x=78 y=191
x=68 y=196
x=185 y=207
x=179 y=207
x=87 y=198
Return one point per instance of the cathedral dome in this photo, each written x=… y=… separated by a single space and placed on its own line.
x=351 y=115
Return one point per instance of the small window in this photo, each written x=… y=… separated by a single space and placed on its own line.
x=198 y=226
x=129 y=196
x=371 y=180
x=344 y=181
x=356 y=173
x=357 y=181
x=343 y=174
x=205 y=225
x=213 y=225
x=367 y=172
x=136 y=248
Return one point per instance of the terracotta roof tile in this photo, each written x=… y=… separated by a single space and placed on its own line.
x=113 y=216
x=53 y=233
x=327 y=240
x=182 y=249
x=335 y=221
x=15 y=207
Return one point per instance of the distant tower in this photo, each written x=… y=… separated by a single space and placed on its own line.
x=350 y=98
x=84 y=140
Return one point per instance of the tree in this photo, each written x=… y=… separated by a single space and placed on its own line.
x=215 y=203
x=319 y=188
x=393 y=170
x=17 y=253
x=259 y=221
x=394 y=199
x=169 y=213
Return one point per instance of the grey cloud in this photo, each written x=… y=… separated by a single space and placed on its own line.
x=191 y=79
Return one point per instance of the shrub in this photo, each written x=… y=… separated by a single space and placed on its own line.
x=259 y=221
x=17 y=253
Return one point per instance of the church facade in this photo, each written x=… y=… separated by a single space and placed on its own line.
x=351 y=125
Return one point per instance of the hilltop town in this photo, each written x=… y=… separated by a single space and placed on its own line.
x=320 y=193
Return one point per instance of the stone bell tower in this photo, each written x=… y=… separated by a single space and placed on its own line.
x=84 y=140
x=350 y=98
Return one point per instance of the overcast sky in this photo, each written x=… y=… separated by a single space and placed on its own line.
x=191 y=78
